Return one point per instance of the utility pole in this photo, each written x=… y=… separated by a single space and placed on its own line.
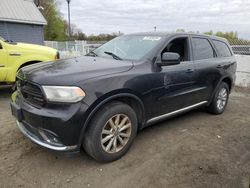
x=68 y=1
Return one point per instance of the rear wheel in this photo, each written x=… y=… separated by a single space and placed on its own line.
x=111 y=132
x=219 y=102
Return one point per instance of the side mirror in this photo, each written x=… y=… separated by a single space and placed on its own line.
x=169 y=58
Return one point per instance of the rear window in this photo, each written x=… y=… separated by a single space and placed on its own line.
x=202 y=49
x=222 y=48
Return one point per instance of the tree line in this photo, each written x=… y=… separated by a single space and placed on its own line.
x=57 y=27
x=231 y=36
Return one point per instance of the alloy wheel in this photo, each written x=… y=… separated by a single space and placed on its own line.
x=116 y=133
x=222 y=99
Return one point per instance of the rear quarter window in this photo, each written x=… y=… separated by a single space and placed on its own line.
x=222 y=48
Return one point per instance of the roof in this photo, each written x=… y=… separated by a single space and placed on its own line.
x=167 y=34
x=21 y=11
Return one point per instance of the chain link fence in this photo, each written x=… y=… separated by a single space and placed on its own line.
x=240 y=46
x=73 y=48
x=241 y=49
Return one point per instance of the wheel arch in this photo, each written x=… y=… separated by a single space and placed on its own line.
x=28 y=63
x=128 y=98
x=227 y=80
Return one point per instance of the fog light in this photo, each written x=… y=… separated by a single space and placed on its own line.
x=50 y=138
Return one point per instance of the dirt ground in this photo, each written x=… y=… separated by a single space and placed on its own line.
x=193 y=150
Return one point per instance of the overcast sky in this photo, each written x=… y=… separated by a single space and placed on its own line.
x=126 y=16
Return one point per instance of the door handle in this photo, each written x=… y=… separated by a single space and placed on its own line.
x=189 y=70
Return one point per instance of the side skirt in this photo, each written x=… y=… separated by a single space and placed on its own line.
x=174 y=113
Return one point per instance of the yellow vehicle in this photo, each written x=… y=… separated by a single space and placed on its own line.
x=14 y=56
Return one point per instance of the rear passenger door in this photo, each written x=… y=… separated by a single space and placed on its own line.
x=226 y=58
x=207 y=68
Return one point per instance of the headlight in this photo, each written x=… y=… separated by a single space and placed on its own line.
x=63 y=93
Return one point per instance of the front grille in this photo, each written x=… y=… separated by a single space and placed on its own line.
x=31 y=92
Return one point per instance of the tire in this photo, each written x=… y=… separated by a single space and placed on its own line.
x=106 y=131
x=220 y=100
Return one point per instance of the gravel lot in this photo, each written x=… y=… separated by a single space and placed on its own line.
x=193 y=150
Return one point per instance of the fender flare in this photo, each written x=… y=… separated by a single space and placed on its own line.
x=104 y=101
x=217 y=86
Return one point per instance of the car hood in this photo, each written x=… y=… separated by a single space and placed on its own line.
x=70 y=71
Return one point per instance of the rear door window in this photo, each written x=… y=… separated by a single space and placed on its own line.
x=222 y=48
x=202 y=49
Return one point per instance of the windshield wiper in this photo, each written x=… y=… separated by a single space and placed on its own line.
x=92 y=53
x=113 y=55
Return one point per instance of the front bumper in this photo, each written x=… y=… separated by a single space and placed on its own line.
x=43 y=142
x=57 y=127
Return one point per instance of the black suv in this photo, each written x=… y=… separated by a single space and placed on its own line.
x=100 y=101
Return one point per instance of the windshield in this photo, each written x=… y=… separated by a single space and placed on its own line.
x=128 y=47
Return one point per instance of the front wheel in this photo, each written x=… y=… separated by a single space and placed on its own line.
x=111 y=132
x=219 y=102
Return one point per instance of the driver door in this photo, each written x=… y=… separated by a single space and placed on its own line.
x=175 y=82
